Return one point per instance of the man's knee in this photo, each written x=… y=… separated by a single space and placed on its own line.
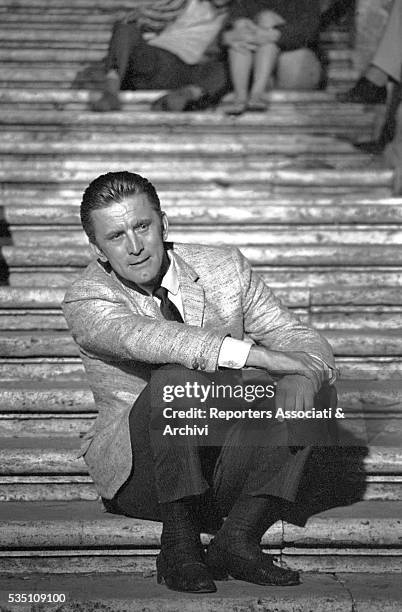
x=299 y=69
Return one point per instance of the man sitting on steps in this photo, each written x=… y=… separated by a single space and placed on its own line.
x=168 y=45
x=149 y=310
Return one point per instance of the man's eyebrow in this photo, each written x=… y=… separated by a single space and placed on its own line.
x=142 y=221
x=117 y=230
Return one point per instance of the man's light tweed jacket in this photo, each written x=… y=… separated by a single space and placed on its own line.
x=122 y=336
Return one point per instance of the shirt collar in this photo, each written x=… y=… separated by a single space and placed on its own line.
x=170 y=281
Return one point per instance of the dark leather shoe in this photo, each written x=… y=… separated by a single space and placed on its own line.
x=373 y=147
x=259 y=570
x=188 y=576
x=364 y=92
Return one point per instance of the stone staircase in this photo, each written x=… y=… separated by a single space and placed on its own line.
x=319 y=222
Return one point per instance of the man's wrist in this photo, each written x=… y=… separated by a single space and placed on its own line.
x=257 y=357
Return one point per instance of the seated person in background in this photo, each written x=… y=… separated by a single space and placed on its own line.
x=272 y=38
x=168 y=44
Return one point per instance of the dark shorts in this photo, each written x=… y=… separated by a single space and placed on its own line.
x=154 y=68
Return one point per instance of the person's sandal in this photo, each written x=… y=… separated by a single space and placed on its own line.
x=257 y=105
x=235 y=108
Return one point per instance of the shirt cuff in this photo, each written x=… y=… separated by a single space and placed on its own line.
x=233 y=353
x=330 y=372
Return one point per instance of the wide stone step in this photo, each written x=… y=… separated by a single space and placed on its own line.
x=51 y=297
x=332 y=296
x=67 y=488
x=329 y=255
x=60 y=344
x=357 y=428
x=364 y=536
x=59 y=456
x=48 y=75
x=346 y=592
x=342 y=592
x=53 y=28
x=252 y=235
x=289 y=117
x=201 y=157
x=24 y=303
x=190 y=209
x=143 y=104
x=275 y=276
x=68 y=69
x=184 y=145
x=342 y=57
x=71 y=369
x=29 y=397
x=281 y=174
x=324 y=319
x=16 y=195
x=94 y=35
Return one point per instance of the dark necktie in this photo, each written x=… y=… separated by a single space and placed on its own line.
x=168 y=309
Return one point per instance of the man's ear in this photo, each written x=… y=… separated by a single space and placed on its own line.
x=165 y=225
x=96 y=250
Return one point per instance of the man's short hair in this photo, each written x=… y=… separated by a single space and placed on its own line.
x=113 y=187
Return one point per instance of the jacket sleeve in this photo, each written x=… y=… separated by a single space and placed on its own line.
x=269 y=323
x=105 y=327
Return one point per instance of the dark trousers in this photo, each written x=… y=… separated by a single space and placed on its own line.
x=142 y=66
x=164 y=472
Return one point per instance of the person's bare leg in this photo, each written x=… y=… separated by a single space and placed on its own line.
x=240 y=63
x=265 y=59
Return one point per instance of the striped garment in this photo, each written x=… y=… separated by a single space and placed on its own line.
x=157 y=15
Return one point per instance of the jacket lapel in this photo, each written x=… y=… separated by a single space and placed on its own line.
x=192 y=292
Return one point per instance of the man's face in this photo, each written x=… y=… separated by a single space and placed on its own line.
x=129 y=235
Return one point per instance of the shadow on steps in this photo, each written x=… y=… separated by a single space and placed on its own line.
x=334 y=476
